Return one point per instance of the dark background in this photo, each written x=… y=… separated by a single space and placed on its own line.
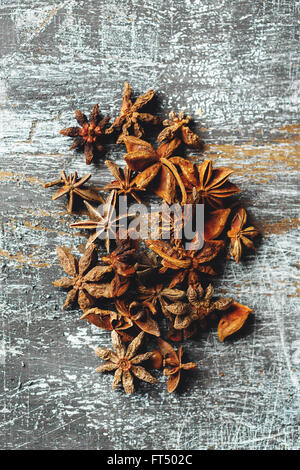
x=234 y=66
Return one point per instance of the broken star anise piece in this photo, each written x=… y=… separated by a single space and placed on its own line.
x=128 y=184
x=125 y=363
x=233 y=320
x=206 y=185
x=141 y=156
x=90 y=133
x=105 y=222
x=74 y=188
x=173 y=364
x=188 y=263
x=84 y=284
x=178 y=125
x=199 y=306
x=239 y=235
x=130 y=116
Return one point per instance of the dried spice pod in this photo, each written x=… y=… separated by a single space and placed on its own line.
x=239 y=235
x=105 y=222
x=127 y=183
x=89 y=281
x=141 y=156
x=199 y=306
x=73 y=187
x=147 y=265
x=130 y=117
x=187 y=263
x=107 y=319
x=178 y=126
x=127 y=315
x=89 y=135
x=125 y=363
x=155 y=296
x=208 y=186
x=173 y=364
x=233 y=320
x=85 y=277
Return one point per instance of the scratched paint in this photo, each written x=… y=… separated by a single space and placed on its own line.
x=235 y=67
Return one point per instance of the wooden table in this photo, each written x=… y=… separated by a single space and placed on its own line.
x=234 y=66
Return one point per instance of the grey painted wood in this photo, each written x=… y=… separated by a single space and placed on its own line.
x=233 y=65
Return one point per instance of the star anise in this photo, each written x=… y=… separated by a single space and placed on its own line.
x=74 y=188
x=142 y=155
x=123 y=258
x=173 y=364
x=178 y=125
x=85 y=277
x=188 y=263
x=105 y=224
x=130 y=117
x=233 y=320
x=158 y=295
x=127 y=183
x=90 y=134
x=206 y=185
x=198 y=307
x=126 y=316
x=107 y=319
x=239 y=235
x=147 y=264
x=125 y=363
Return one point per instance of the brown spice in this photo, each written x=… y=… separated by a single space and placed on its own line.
x=74 y=188
x=173 y=364
x=130 y=117
x=90 y=133
x=125 y=363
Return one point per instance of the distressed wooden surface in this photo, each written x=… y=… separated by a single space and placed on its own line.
x=233 y=65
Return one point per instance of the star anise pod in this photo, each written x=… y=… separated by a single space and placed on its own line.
x=127 y=183
x=178 y=125
x=105 y=224
x=89 y=134
x=173 y=364
x=107 y=319
x=188 y=263
x=123 y=258
x=239 y=235
x=84 y=284
x=74 y=188
x=125 y=363
x=198 y=307
x=206 y=185
x=142 y=155
x=127 y=315
x=233 y=320
x=130 y=116
x=158 y=295
x=147 y=264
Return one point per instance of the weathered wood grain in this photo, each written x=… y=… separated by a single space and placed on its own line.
x=235 y=67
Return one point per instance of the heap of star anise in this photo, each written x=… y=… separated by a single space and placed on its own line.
x=140 y=286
